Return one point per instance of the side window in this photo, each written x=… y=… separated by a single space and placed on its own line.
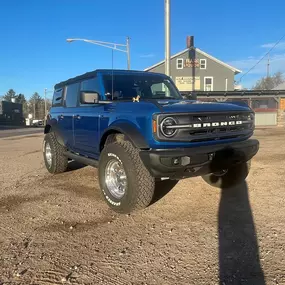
x=71 y=96
x=57 y=98
x=91 y=84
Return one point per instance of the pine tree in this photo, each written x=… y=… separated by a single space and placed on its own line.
x=9 y=95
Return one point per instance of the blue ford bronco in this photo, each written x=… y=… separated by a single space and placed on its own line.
x=138 y=130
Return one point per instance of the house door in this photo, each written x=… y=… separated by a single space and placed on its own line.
x=208 y=83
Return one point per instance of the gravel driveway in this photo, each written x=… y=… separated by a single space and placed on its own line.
x=58 y=230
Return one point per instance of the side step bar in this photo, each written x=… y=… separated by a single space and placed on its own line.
x=82 y=159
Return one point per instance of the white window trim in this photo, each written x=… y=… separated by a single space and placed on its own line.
x=207 y=77
x=205 y=63
x=178 y=59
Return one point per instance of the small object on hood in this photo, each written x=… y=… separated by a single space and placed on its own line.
x=136 y=99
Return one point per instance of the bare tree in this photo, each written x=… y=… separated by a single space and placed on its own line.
x=268 y=83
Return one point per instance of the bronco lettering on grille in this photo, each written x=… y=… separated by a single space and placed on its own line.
x=217 y=124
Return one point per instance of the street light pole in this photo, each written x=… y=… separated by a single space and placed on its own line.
x=167 y=36
x=114 y=46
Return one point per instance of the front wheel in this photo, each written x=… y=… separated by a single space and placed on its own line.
x=229 y=177
x=124 y=181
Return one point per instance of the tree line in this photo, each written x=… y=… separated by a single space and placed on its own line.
x=35 y=105
x=269 y=82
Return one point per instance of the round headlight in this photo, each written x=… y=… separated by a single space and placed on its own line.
x=167 y=127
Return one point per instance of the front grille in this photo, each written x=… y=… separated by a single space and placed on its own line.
x=210 y=126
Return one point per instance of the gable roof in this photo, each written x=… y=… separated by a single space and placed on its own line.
x=235 y=70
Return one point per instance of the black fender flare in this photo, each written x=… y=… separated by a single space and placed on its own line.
x=131 y=133
x=53 y=128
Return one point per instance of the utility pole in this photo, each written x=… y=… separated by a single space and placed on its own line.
x=268 y=64
x=45 y=103
x=167 y=36
x=128 y=53
x=34 y=108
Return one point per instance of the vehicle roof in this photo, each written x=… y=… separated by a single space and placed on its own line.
x=102 y=71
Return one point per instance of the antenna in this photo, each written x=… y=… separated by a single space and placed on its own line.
x=112 y=74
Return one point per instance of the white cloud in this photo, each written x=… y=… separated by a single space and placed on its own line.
x=280 y=46
x=148 y=55
x=277 y=63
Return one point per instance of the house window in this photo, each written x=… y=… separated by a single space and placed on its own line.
x=179 y=63
x=203 y=63
x=208 y=84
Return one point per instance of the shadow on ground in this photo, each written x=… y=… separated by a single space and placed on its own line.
x=162 y=188
x=74 y=165
x=238 y=246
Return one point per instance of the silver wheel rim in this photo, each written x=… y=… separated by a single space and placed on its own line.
x=115 y=178
x=48 y=154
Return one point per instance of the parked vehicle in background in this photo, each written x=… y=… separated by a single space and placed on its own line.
x=138 y=130
x=38 y=123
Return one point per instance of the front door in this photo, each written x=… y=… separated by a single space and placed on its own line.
x=208 y=84
x=86 y=130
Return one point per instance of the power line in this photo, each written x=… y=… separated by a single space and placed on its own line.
x=263 y=57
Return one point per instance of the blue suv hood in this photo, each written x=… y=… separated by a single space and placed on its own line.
x=171 y=106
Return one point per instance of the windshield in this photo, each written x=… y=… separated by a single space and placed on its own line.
x=126 y=87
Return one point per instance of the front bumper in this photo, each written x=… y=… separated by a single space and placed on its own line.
x=188 y=162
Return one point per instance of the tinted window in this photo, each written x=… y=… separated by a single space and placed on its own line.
x=57 y=98
x=125 y=87
x=90 y=85
x=71 y=95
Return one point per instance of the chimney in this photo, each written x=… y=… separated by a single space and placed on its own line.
x=190 y=41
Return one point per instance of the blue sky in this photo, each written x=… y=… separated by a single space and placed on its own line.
x=34 y=54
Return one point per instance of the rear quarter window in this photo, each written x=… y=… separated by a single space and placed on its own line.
x=57 y=98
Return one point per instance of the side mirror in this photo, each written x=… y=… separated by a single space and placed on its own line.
x=89 y=97
x=189 y=95
x=192 y=96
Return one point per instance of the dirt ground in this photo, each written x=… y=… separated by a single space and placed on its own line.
x=58 y=230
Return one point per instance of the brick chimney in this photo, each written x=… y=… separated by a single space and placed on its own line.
x=190 y=41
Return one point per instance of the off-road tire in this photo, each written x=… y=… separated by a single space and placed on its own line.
x=234 y=176
x=59 y=161
x=140 y=184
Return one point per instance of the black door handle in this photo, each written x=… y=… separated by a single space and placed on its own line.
x=61 y=116
x=77 y=117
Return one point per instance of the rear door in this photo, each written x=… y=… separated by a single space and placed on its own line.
x=87 y=120
x=57 y=113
